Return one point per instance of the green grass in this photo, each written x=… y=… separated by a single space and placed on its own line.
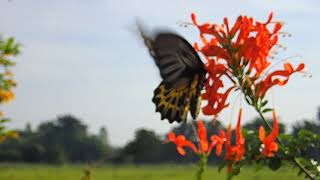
x=159 y=172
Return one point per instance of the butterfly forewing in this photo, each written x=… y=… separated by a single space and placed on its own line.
x=183 y=76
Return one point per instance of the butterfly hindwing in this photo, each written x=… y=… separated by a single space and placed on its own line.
x=171 y=103
x=174 y=104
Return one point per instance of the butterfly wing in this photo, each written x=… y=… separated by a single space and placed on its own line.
x=183 y=76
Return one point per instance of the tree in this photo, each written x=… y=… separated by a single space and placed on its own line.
x=57 y=141
x=103 y=135
x=255 y=124
x=311 y=126
x=145 y=148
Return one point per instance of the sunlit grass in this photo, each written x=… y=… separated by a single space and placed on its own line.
x=157 y=172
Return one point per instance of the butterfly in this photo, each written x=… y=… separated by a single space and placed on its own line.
x=182 y=72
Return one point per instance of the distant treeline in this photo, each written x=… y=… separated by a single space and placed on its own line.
x=66 y=140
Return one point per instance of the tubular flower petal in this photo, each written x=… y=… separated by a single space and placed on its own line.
x=269 y=144
x=181 y=142
x=202 y=134
x=217 y=141
x=245 y=46
x=240 y=146
x=204 y=146
x=274 y=78
x=228 y=146
x=235 y=153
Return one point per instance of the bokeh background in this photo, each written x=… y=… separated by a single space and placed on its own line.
x=85 y=58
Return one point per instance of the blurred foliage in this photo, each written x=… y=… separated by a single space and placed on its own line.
x=8 y=49
x=301 y=145
x=64 y=139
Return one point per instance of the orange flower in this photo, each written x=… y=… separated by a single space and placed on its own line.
x=6 y=95
x=253 y=41
x=228 y=146
x=239 y=50
x=269 y=144
x=230 y=50
x=202 y=134
x=217 y=141
x=213 y=86
x=216 y=100
x=204 y=146
x=270 y=80
x=239 y=149
x=181 y=142
x=240 y=146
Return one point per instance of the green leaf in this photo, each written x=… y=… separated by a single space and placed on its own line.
x=264 y=103
x=221 y=166
x=258 y=165
x=267 y=110
x=4 y=120
x=274 y=164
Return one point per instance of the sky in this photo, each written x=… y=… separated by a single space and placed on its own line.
x=84 y=57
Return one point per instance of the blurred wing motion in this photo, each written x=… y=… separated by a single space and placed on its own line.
x=182 y=72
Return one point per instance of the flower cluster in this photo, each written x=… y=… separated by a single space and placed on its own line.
x=204 y=146
x=269 y=146
x=239 y=149
x=241 y=53
x=233 y=153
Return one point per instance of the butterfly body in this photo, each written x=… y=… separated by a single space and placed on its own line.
x=182 y=73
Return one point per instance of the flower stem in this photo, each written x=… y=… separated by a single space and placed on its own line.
x=294 y=159
x=202 y=166
x=195 y=134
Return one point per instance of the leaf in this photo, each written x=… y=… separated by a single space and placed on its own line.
x=12 y=134
x=236 y=170
x=264 y=103
x=258 y=165
x=267 y=110
x=274 y=164
x=221 y=166
x=4 y=120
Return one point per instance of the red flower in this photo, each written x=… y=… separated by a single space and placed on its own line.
x=269 y=144
x=253 y=41
x=240 y=146
x=229 y=50
x=239 y=149
x=228 y=146
x=202 y=134
x=181 y=142
x=241 y=53
x=216 y=99
x=204 y=146
x=271 y=79
x=217 y=141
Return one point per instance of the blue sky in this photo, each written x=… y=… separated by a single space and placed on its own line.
x=84 y=57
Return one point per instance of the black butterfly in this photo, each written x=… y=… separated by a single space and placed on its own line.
x=182 y=72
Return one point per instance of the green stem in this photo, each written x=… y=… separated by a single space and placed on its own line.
x=202 y=166
x=294 y=159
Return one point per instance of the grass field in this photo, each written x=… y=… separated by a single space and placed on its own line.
x=161 y=172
